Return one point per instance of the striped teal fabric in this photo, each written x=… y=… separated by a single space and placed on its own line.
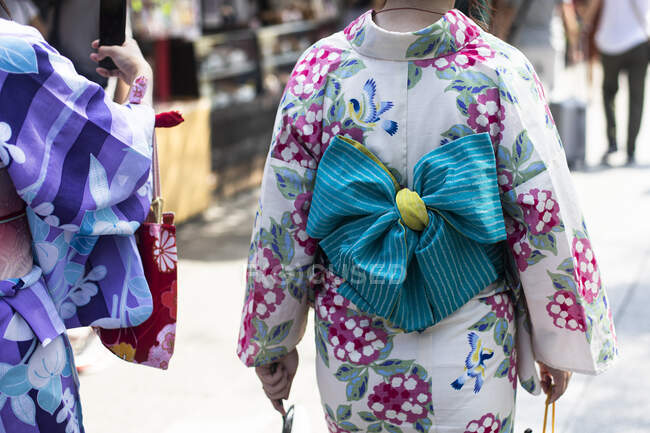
x=414 y=279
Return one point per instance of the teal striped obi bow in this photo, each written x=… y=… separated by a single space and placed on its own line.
x=412 y=257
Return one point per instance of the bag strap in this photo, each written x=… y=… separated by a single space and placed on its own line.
x=522 y=13
x=552 y=416
x=157 y=200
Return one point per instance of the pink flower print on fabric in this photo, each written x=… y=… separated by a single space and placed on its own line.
x=541 y=210
x=330 y=306
x=585 y=268
x=160 y=354
x=505 y=179
x=300 y=139
x=516 y=233
x=512 y=371
x=336 y=128
x=357 y=339
x=138 y=90
x=488 y=423
x=299 y=219
x=247 y=349
x=487 y=115
x=461 y=28
x=310 y=74
x=267 y=291
x=404 y=399
x=501 y=306
x=466 y=58
x=566 y=312
x=164 y=250
x=353 y=31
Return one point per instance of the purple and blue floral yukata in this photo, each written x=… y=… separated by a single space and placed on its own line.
x=81 y=163
x=402 y=96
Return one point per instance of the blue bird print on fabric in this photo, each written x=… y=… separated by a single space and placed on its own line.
x=368 y=111
x=474 y=364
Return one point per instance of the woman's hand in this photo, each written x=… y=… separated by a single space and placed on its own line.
x=554 y=382
x=277 y=378
x=128 y=58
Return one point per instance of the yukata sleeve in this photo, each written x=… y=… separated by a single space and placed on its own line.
x=281 y=255
x=569 y=324
x=80 y=161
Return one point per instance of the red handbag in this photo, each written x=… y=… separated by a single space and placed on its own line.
x=152 y=342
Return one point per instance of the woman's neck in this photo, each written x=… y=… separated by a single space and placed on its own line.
x=411 y=20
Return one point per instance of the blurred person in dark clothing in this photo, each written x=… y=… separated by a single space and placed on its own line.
x=75 y=25
x=622 y=39
x=531 y=26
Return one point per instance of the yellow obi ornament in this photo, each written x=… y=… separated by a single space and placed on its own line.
x=412 y=209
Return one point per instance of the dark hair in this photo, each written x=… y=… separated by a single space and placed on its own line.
x=4 y=6
x=478 y=10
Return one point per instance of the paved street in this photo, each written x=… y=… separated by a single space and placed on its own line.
x=208 y=390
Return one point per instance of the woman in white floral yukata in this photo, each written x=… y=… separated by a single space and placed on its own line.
x=440 y=272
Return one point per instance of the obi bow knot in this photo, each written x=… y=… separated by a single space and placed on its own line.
x=412 y=209
x=410 y=256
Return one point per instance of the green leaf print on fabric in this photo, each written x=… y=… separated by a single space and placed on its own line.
x=349 y=68
x=457 y=131
x=280 y=241
x=337 y=111
x=500 y=331
x=562 y=282
x=375 y=428
x=486 y=323
x=423 y=425
x=390 y=428
x=502 y=370
x=265 y=339
x=415 y=75
x=333 y=88
x=464 y=100
x=347 y=372
x=473 y=81
x=290 y=183
x=522 y=149
x=430 y=42
x=367 y=416
x=321 y=345
x=535 y=257
x=545 y=242
x=344 y=412
x=507 y=425
x=529 y=385
x=392 y=367
x=357 y=387
x=279 y=333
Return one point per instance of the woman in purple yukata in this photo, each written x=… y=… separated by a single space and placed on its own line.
x=74 y=186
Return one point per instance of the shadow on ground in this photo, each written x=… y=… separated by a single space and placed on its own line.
x=222 y=233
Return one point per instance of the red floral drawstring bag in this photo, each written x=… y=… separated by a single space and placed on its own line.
x=152 y=342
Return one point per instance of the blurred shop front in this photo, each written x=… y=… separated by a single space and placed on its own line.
x=224 y=64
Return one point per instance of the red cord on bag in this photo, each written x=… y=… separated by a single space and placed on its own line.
x=169 y=119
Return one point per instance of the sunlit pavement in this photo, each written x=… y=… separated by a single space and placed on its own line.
x=208 y=390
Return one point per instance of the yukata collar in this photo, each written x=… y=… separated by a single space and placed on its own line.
x=446 y=36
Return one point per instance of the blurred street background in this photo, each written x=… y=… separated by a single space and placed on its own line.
x=224 y=64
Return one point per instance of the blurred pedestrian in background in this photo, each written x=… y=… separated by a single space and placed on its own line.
x=622 y=38
x=540 y=29
x=25 y=12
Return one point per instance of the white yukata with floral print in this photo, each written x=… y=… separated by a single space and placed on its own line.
x=403 y=95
